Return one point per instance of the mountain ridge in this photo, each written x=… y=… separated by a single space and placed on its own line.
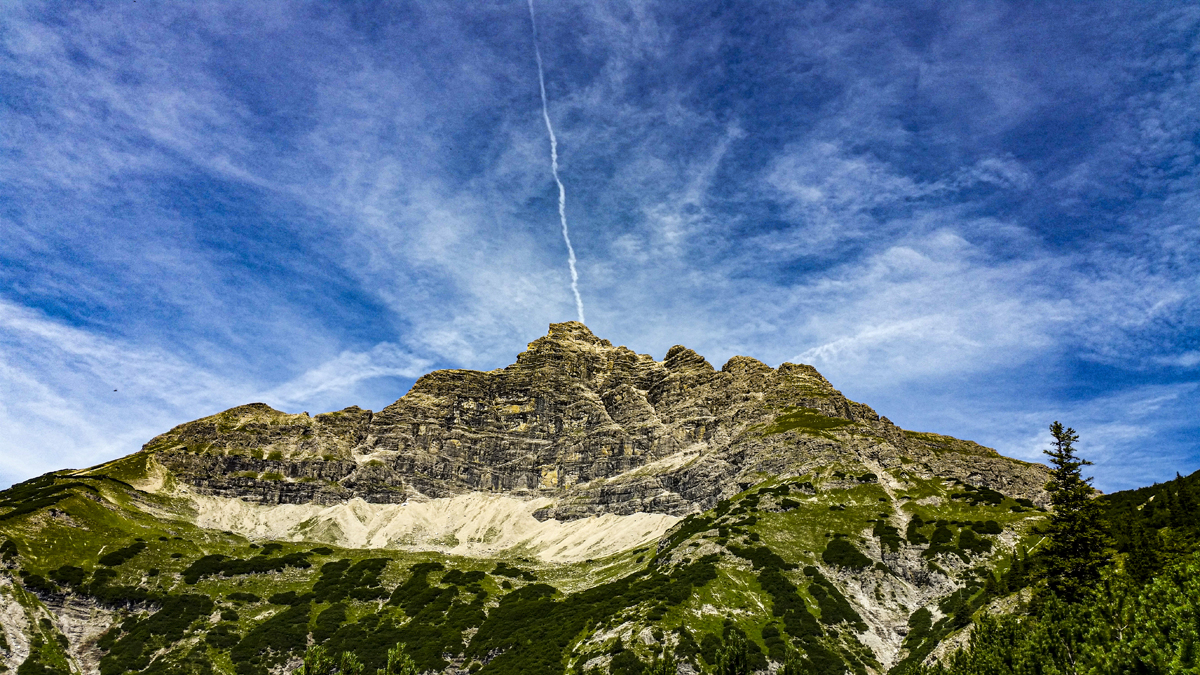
x=574 y=418
x=586 y=506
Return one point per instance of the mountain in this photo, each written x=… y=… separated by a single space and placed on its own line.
x=586 y=507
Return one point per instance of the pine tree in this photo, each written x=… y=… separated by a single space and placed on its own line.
x=1076 y=551
x=1142 y=561
x=317 y=661
x=398 y=663
x=794 y=664
x=1184 y=514
x=664 y=665
x=734 y=659
x=349 y=664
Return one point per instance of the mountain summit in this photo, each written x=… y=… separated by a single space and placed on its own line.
x=596 y=428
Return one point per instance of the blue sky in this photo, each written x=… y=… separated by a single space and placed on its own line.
x=976 y=217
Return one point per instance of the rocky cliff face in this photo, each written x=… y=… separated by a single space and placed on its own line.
x=598 y=428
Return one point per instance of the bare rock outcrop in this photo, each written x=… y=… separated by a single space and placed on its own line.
x=597 y=427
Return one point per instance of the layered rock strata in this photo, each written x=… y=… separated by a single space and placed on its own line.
x=596 y=427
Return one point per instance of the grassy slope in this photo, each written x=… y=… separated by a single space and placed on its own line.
x=591 y=605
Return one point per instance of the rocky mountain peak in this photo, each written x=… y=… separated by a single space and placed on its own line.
x=680 y=359
x=595 y=427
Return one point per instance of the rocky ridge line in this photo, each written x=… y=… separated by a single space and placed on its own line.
x=598 y=428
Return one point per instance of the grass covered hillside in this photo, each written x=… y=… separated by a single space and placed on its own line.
x=858 y=571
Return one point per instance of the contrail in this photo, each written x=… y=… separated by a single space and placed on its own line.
x=562 y=191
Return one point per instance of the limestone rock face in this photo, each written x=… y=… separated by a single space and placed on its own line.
x=598 y=428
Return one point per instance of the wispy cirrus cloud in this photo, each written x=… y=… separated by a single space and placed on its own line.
x=960 y=214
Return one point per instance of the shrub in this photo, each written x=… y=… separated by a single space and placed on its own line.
x=122 y=555
x=68 y=575
x=913 y=532
x=842 y=553
x=38 y=584
x=969 y=541
x=887 y=534
x=212 y=565
x=833 y=605
x=223 y=636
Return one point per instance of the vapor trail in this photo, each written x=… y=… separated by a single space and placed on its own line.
x=562 y=191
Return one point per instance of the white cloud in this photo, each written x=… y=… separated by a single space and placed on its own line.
x=341 y=374
x=72 y=398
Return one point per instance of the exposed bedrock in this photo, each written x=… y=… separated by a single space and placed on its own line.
x=599 y=428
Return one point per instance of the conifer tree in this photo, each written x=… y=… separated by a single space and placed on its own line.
x=317 y=661
x=1184 y=514
x=1142 y=560
x=734 y=659
x=398 y=662
x=794 y=664
x=664 y=665
x=1076 y=551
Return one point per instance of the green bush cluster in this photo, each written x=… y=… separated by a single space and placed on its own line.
x=118 y=595
x=460 y=578
x=270 y=642
x=534 y=630
x=798 y=622
x=37 y=583
x=130 y=645
x=887 y=534
x=438 y=619
x=122 y=555
x=942 y=541
x=360 y=581
x=37 y=494
x=834 y=606
x=223 y=636
x=38 y=663
x=624 y=661
x=738 y=654
x=979 y=495
x=761 y=557
x=328 y=621
x=416 y=593
x=841 y=553
x=214 y=564
x=241 y=596
x=972 y=543
x=503 y=569
x=968 y=542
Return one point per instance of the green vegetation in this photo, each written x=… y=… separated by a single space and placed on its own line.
x=806 y=421
x=1118 y=626
x=841 y=553
x=131 y=644
x=1076 y=551
x=774 y=556
x=1096 y=612
x=225 y=566
x=37 y=494
x=122 y=555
